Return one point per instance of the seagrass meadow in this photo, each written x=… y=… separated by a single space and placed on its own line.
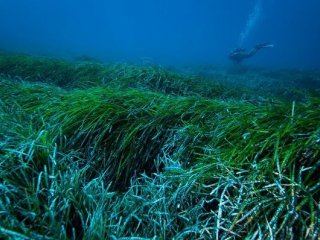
x=122 y=151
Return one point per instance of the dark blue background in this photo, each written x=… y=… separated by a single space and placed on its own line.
x=163 y=31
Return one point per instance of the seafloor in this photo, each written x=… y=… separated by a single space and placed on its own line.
x=121 y=151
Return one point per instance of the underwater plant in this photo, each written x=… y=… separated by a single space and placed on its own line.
x=148 y=154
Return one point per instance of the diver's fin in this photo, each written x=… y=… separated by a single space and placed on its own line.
x=264 y=45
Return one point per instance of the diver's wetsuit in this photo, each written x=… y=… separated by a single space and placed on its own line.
x=239 y=54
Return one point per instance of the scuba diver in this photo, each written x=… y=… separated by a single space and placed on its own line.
x=239 y=54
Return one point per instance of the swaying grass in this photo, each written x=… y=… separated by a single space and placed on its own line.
x=113 y=162
x=90 y=74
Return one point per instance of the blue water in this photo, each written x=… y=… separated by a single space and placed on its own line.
x=165 y=31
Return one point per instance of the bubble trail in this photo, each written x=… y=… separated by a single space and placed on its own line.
x=251 y=22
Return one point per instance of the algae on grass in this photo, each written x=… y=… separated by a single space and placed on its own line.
x=112 y=161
